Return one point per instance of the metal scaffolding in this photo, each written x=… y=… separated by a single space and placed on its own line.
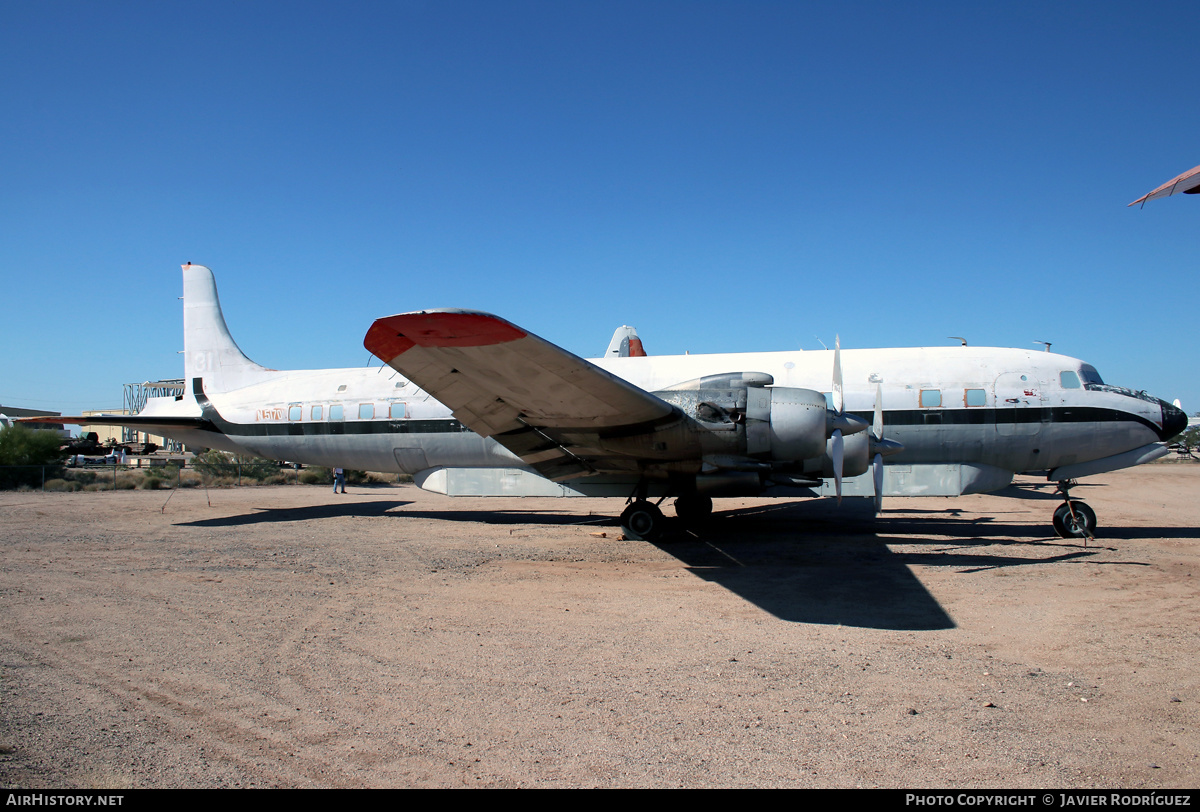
x=136 y=395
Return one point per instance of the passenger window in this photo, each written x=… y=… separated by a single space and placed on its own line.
x=1069 y=379
x=976 y=397
x=931 y=398
x=317 y=412
x=366 y=411
x=295 y=413
x=398 y=411
x=335 y=412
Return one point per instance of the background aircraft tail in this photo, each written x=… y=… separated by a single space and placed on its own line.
x=209 y=350
x=625 y=344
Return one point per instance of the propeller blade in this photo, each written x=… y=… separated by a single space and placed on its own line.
x=877 y=425
x=839 y=404
x=837 y=463
x=877 y=477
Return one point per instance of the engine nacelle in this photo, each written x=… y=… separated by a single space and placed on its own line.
x=743 y=413
x=856 y=457
x=785 y=424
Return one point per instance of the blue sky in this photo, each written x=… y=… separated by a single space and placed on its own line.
x=726 y=176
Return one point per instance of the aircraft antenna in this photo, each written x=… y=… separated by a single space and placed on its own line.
x=1047 y=343
x=959 y=338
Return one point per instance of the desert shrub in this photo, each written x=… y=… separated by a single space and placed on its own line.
x=21 y=446
x=223 y=465
x=316 y=475
x=80 y=477
x=60 y=485
x=378 y=478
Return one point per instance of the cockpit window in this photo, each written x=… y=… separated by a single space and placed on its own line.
x=1090 y=375
x=1121 y=390
x=1069 y=379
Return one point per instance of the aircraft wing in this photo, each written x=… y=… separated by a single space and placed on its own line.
x=551 y=408
x=1187 y=183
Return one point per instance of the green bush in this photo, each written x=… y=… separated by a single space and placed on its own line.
x=28 y=447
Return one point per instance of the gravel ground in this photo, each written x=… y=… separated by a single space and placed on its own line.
x=288 y=637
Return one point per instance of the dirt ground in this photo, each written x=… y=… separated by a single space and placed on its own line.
x=288 y=637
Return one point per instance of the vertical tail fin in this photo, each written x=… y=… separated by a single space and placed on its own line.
x=625 y=344
x=209 y=350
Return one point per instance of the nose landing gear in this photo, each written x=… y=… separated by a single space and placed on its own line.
x=1073 y=519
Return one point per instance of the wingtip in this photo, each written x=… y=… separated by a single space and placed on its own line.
x=393 y=335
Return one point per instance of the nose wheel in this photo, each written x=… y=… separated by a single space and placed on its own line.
x=1073 y=519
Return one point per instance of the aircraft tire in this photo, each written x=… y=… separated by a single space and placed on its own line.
x=693 y=508
x=1081 y=526
x=642 y=521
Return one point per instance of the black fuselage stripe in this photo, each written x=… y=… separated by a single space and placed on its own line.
x=981 y=416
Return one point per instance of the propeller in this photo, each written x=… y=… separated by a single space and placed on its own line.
x=839 y=422
x=880 y=448
x=839 y=406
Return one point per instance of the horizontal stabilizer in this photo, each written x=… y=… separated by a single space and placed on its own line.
x=154 y=424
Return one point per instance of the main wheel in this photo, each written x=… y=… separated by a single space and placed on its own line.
x=1081 y=525
x=693 y=508
x=642 y=521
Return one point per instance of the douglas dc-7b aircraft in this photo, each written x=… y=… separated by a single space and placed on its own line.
x=482 y=407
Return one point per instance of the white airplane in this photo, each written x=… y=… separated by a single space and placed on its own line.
x=478 y=406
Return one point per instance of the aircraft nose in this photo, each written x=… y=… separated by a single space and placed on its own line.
x=1174 y=420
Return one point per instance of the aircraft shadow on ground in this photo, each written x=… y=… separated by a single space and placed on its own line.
x=1047 y=491
x=806 y=561
x=299 y=514
x=812 y=562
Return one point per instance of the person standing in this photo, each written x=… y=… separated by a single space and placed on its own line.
x=339 y=478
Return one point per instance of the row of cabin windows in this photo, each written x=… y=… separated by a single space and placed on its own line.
x=932 y=398
x=366 y=411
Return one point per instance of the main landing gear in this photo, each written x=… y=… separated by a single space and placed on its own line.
x=643 y=520
x=693 y=508
x=1073 y=519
